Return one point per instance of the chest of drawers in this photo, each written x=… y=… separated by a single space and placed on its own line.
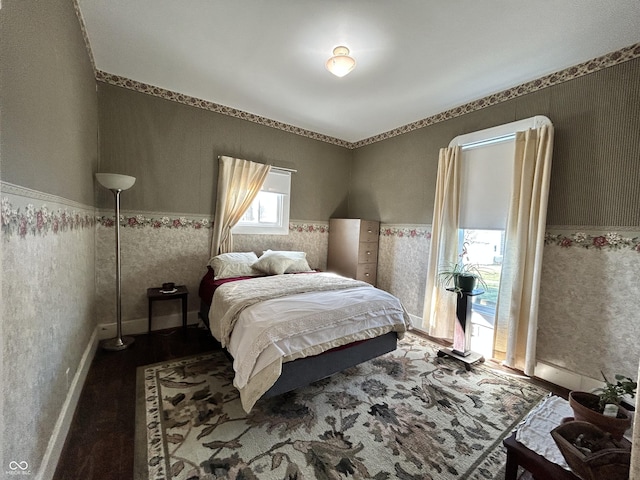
x=353 y=248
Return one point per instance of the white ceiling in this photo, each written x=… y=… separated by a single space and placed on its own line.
x=415 y=58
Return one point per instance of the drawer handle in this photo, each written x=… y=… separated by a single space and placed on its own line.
x=368 y=253
x=369 y=231
x=366 y=274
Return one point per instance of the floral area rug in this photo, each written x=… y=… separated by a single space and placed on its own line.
x=406 y=415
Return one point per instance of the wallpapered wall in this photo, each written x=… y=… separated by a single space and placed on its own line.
x=176 y=249
x=57 y=277
x=172 y=151
x=593 y=217
x=48 y=313
x=48 y=145
x=588 y=290
x=392 y=180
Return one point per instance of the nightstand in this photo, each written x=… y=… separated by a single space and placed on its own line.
x=181 y=292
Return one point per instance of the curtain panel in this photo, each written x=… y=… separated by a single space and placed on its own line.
x=239 y=182
x=439 y=304
x=516 y=325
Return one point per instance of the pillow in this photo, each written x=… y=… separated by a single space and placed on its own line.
x=273 y=264
x=299 y=263
x=285 y=253
x=235 y=264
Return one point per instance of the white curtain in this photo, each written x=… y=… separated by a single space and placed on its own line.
x=239 y=181
x=516 y=325
x=439 y=304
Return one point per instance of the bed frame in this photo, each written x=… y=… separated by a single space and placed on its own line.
x=303 y=371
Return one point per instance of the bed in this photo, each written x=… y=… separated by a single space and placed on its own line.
x=285 y=325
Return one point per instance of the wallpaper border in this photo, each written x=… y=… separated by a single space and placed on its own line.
x=19 y=216
x=604 y=240
x=604 y=61
x=599 y=63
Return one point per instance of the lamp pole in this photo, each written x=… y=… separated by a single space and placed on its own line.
x=119 y=342
x=117 y=183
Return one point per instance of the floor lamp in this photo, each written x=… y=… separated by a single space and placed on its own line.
x=117 y=183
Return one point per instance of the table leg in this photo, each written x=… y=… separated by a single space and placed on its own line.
x=511 y=468
x=149 y=328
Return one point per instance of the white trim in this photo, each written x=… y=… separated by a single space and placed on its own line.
x=499 y=131
x=415 y=321
x=565 y=378
x=283 y=169
x=18 y=191
x=140 y=325
x=61 y=428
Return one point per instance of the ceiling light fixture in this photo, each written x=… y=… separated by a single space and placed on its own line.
x=341 y=63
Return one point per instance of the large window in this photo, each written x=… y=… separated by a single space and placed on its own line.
x=486 y=174
x=269 y=212
x=490 y=186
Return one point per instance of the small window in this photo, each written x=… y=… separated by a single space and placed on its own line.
x=269 y=212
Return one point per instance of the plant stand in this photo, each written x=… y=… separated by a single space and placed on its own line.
x=462 y=331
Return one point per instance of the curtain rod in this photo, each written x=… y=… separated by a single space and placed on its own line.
x=488 y=141
x=497 y=133
x=282 y=169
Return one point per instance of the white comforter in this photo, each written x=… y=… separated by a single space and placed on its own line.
x=269 y=320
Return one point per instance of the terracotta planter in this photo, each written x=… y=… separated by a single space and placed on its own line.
x=581 y=402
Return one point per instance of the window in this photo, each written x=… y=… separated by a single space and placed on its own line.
x=487 y=169
x=269 y=212
x=485 y=189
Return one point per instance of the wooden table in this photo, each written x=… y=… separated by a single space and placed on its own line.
x=537 y=465
x=181 y=293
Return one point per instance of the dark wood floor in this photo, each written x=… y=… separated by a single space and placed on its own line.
x=100 y=443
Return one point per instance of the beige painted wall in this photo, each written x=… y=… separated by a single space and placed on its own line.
x=172 y=150
x=49 y=145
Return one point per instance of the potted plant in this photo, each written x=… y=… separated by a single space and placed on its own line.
x=602 y=408
x=461 y=276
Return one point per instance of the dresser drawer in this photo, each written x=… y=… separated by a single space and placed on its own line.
x=367 y=273
x=368 y=252
x=369 y=231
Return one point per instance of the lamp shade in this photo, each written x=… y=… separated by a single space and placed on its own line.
x=341 y=63
x=115 y=181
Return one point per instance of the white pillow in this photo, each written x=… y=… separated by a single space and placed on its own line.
x=235 y=264
x=299 y=263
x=285 y=253
x=273 y=264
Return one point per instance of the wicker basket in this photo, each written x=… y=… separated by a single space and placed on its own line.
x=610 y=459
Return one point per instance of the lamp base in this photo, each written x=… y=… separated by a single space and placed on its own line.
x=115 y=344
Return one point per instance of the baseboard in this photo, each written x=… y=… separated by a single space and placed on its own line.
x=61 y=428
x=140 y=325
x=415 y=320
x=565 y=378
